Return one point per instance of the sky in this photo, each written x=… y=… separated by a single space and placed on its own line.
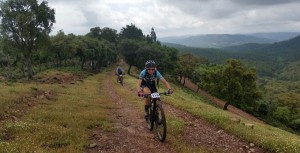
x=178 y=17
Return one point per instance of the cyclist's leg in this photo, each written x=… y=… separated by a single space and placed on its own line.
x=146 y=90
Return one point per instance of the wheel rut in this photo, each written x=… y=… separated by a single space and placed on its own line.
x=131 y=134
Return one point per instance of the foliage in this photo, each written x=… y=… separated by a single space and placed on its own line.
x=282 y=114
x=26 y=24
x=128 y=49
x=233 y=82
x=131 y=32
x=105 y=33
x=279 y=96
x=136 y=53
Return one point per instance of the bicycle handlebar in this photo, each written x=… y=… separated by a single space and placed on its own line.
x=160 y=93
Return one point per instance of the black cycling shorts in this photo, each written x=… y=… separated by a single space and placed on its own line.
x=151 y=86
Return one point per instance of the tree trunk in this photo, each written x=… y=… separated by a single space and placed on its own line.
x=226 y=105
x=82 y=65
x=183 y=81
x=180 y=78
x=40 y=65
x=129 y=70
x=29 y=67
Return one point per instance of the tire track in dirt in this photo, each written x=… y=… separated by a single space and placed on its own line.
x=131 y=134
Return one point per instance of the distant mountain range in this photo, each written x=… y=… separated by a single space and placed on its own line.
x=278 y=59
x=225 y=40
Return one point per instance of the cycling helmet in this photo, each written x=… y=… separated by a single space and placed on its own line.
x=150 y=64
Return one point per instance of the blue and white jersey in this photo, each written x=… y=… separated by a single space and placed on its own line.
x=150 y=78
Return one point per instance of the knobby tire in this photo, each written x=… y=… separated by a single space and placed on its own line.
x=160 y=123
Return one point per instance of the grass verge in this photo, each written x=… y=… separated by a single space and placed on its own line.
x=60 y=124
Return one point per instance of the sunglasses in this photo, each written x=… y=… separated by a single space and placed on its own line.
x=150 y=69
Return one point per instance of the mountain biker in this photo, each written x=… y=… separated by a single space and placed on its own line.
x=146 y=83
x=119 y=71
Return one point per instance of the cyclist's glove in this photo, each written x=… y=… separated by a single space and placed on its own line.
x=170 y=91
x=140 y=94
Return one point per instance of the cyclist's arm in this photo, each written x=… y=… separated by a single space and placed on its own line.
x=138 y=87
x=164 y=81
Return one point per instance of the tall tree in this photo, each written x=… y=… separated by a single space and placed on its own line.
x=153 y=35
x=131 y=32
x=128 y=49
x=189 y=63
x=240 y=87
x=94 y=32
x=26 y=23
x=109 y=34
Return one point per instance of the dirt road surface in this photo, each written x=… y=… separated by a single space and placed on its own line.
x=132 y=136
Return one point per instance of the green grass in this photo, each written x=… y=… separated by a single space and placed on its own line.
x=59 y=125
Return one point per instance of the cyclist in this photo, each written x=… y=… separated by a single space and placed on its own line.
x=146 y=83
x=119 y=71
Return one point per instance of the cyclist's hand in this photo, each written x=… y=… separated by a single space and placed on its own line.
x=140 y=94
x=170 y=91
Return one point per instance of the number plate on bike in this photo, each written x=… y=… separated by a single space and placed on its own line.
x=155 y=95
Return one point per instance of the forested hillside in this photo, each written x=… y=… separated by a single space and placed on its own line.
x=278 y=70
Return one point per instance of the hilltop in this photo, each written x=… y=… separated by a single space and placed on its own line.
x=226 y=40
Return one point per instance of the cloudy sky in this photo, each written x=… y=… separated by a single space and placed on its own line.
x=178 y=17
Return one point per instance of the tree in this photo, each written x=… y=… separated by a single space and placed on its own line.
x=131 y=32
x=63 y=46
x=128 y=49
x=109 y=35
x=106 y=33
x=239 y=85
x=26 y=23
x=153 y=35
x=94 y=33
x=188 y=64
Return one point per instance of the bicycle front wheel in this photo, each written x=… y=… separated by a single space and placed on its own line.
x=160 y=123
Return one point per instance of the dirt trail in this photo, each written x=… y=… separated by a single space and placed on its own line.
x=133 y=136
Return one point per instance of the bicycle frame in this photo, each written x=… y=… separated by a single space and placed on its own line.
x=157 y=116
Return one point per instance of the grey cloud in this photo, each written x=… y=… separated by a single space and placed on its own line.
x=178 y=17
x=263 y=2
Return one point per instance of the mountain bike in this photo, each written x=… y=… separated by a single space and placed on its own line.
x=120 y=79
x=157 y=115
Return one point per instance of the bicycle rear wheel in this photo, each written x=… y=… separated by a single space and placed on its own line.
x=160 y=123
x=121 y=80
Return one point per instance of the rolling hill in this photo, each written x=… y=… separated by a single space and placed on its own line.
x=215 y=40
x=225 y=40
x=269 y=59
